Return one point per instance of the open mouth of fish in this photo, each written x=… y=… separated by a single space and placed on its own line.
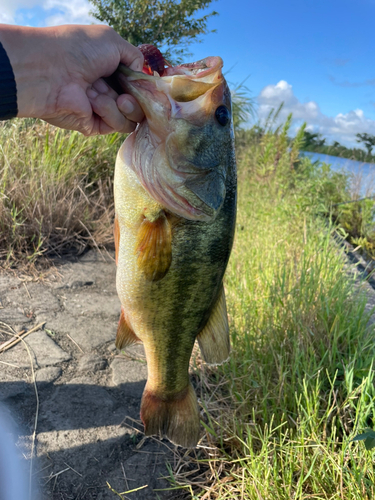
x=199 y=77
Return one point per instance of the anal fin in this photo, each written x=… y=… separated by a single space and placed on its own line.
x=213 y=340
x=125 y=335
x=154 y=247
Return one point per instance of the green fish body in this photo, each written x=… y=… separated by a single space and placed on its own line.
x=175 y=202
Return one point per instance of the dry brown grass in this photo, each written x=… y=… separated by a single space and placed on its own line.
x=55 y=191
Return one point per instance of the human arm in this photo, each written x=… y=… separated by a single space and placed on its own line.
x=59 y=76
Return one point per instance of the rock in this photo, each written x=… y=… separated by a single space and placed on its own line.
x=91 y=363
x=36 y=298
x=47 y=352
x=77 y=284
x=14 y=317
x=92 y=267
x=7 y=283
x=48 y=375
x=81 y=284
x=89 y=304
x=43 y=350
x=131 y=374
x=89 y=332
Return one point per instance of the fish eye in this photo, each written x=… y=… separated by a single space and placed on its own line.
x=222 y=115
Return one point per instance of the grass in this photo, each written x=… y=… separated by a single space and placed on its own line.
x=302 y=379
x=280 y=416
x=55 y=191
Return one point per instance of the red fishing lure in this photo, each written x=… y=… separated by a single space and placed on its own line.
x=154 y=60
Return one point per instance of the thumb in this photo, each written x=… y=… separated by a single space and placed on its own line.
x=131 y=56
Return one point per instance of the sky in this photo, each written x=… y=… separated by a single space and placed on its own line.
x=316 y=56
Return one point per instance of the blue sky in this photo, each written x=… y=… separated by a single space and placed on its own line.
x=316 y=56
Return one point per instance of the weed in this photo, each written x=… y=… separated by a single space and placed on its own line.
x=55 y=190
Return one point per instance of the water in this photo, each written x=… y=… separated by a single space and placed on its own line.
x=362 y=174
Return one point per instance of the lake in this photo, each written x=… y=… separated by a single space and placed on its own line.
x=363 y=174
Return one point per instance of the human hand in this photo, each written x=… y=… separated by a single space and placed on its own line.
x=59 y=76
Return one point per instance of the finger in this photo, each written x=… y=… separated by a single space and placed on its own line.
x=131 y=56
x=130 y=108
x=102 y=88
x=113 y=119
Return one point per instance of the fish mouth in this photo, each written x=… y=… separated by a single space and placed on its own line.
x=198 y=70
x=182 y=83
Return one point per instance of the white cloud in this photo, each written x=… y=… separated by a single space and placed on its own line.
x=341 y=128
x=10 y=7
x=69 y=11
x=6 y=18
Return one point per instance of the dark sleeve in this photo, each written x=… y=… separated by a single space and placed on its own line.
x=8 y=89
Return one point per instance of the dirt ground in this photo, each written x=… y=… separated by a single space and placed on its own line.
x=88 y=431
x=87 y=427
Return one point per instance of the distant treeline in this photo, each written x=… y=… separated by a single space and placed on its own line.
x=315 y=143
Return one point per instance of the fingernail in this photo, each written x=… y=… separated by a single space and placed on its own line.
x=127 y=107
x=137 y=64
x=91 y=93
x=100 y=86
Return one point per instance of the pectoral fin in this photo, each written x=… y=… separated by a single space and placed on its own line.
x=125 y=335
x=154 y=247
x=214 y=338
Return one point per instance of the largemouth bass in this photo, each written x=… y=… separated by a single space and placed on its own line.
x=175 y=202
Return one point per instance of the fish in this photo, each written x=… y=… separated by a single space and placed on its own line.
x=175 y=190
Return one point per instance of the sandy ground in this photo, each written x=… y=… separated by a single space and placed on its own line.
x=89 y=394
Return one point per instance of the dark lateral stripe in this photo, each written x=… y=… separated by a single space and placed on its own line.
x=8 y=88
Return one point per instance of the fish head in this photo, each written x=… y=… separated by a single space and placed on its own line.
x=183 y=148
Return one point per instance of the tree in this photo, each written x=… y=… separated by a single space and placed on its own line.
x=313 y=140
x=368 y=141
x=171 y=25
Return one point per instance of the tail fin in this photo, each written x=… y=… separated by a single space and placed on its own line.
x=177 y=418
